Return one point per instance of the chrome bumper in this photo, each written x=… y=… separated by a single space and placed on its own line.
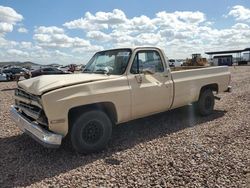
x=44 y=137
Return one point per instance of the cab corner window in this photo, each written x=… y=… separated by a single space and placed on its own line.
x=147 y=60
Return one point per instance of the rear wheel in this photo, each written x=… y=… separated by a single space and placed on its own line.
x=205 y=104
x=91 y=132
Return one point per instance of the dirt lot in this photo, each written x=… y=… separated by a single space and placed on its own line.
x=171 y=149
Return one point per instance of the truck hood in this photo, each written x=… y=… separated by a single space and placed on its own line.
x=41 y=84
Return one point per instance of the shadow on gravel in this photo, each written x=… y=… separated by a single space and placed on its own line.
x=24 y=162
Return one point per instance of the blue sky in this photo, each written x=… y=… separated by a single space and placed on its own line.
x=180 y=27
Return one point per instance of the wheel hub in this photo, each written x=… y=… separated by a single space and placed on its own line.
x=92 y=132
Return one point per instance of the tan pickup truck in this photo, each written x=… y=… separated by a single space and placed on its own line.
x=116 y=86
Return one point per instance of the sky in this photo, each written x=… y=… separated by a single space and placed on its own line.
x=65 y=32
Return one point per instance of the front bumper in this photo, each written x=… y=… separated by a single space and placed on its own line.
x=43 y=136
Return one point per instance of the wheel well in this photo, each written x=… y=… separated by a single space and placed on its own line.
x=213 y=87
x=107 y=107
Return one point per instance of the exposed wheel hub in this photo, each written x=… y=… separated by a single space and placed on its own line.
x=92 y=132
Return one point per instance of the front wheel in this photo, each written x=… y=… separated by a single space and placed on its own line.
x=91 y=132
x=205 y=104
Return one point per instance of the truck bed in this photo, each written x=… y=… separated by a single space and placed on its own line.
x=187 y=83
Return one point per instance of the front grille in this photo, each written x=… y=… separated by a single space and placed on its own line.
x=32 y=111
x=21 y=93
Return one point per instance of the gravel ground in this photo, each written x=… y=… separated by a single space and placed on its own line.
x=171 y=149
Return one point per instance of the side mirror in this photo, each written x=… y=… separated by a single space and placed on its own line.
x=166 y=72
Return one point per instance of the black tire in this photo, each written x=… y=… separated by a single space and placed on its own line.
x=91 y=132
x=12 y=77
x=7 y=77
x=205 y=104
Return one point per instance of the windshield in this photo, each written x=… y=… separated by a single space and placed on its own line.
x=109 y=62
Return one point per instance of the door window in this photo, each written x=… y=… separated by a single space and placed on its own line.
x=47 y=69
x=147 y=60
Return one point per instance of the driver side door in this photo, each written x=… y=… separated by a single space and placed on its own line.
x=151 y=84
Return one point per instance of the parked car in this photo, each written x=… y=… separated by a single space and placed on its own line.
x=64 y=68
x=3 y=76
x=14 y=73
x=46 y=71
x=175 y=63
x=116 y=86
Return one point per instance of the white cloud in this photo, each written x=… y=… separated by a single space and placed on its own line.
x=240 y=13
x=26 y=45
x=56 y=38
x=101 y=20
x=179 y=20
x=59 y=41
x=118 y=20
x=179 y=33
x=84 y=24
x=111 y=18
x=49 y=30
x=98 y=36
x=92 y=49
x=54 y=44
x=8 y=18
x=22 y=30
x=241 y=26
x=9 y=15
x=59 y=53
x=190 y=17
x=141 y=30
x=5 y=27
x=142 y=23
x=7 y=44
x=147 y=39
x=16 y=52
